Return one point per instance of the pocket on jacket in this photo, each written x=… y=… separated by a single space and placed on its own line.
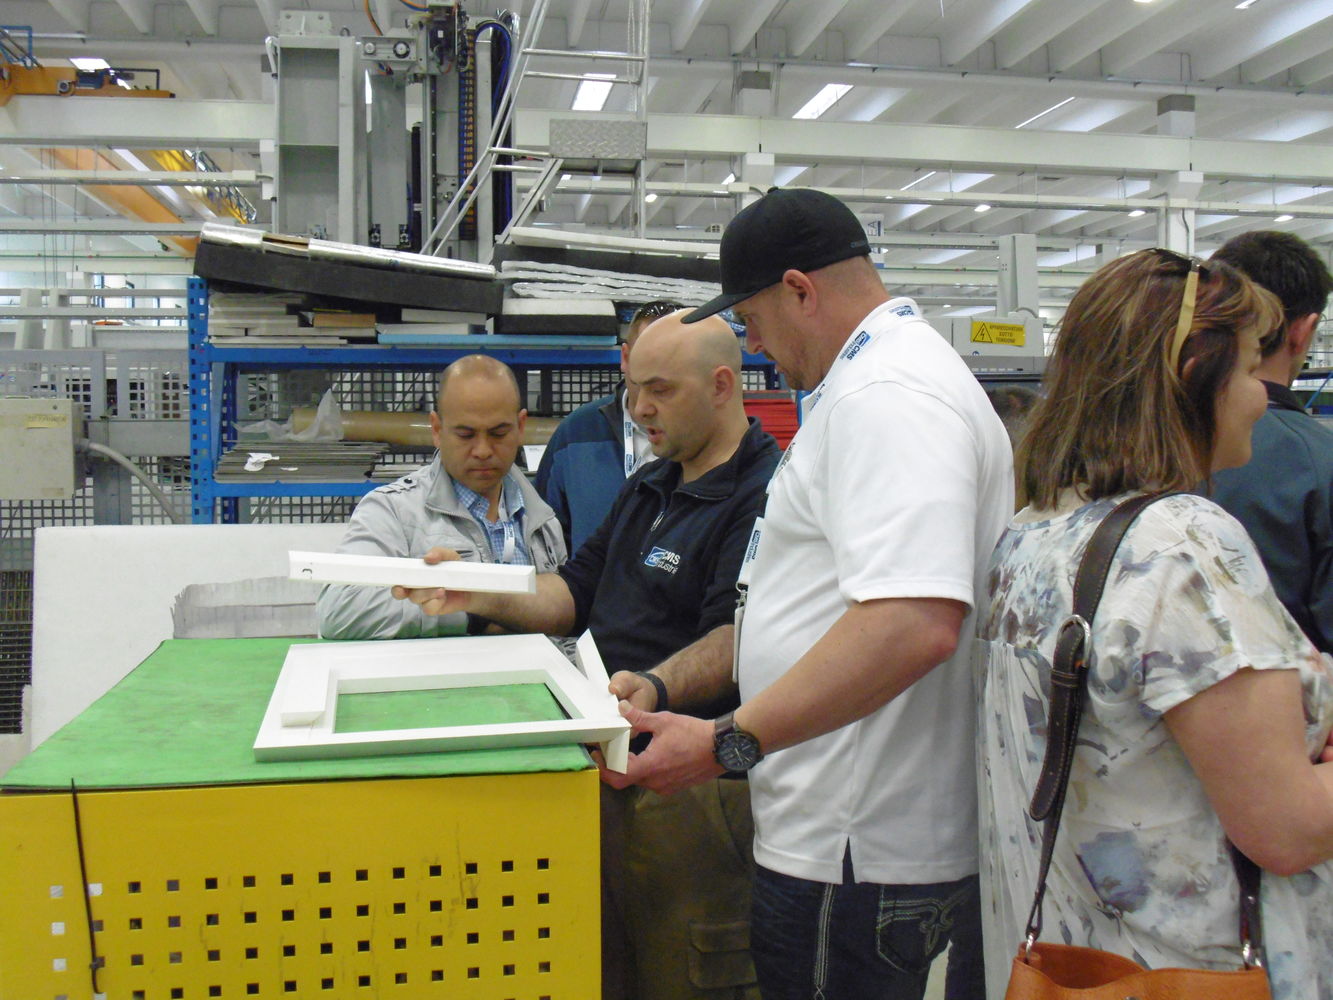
x=719 y=955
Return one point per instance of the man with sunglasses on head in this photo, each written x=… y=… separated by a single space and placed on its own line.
x=597 y=447
x=1284 y=495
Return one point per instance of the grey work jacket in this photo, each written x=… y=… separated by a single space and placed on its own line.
x=407 y=517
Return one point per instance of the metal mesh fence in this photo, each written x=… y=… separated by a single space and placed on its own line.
x=15 y=646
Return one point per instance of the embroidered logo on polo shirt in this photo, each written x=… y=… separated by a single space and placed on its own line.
x=903 y=310
x=854 y=348
x=660 y=558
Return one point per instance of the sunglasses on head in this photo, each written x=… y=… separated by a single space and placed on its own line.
x=1188 y=300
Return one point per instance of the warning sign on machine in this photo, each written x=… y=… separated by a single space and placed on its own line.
x=990 y=332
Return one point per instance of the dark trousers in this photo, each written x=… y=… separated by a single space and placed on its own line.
x=863 y=941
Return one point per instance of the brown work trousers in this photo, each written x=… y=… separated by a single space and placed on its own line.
x=676 y=878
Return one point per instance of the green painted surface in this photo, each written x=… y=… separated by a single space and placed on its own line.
x=188 y=715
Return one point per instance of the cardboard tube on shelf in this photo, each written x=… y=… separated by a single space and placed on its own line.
x=407 y=429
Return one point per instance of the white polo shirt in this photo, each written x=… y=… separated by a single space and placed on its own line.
x=898 y=484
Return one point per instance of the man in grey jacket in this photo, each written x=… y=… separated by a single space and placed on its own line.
x=469 y=499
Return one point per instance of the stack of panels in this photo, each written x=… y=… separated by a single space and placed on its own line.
x=300 y=462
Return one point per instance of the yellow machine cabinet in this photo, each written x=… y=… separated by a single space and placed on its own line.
x=456 y=885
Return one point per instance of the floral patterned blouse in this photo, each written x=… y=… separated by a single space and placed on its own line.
x=1141 y=866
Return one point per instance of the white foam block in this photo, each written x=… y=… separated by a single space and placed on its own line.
x=389 y=571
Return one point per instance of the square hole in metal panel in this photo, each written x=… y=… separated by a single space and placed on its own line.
x=363 y=909
x=211 y=919
x=471 y=904
x=506 y=866
x=506 y=900
x=508 y=970
x=174 y=920
x=473 y=937
x=437 y=940
x=173 y=885
x=326 y=947
x=174 y=957
x=252 y=952
x=288 y=915
x=289 y=986
x=399 y=908
x=252 y=989
x=210 y=883
x=177 y=992
x=437 y=975
x=363 y=946
x=543 y=864
x=469 y=868
x=136 y=923
x=543 y=932
x=250 y=917
x=474 y=973
x=325 y=877
x=436 y=905
x=133 y=887
x=287 y=878
x=400 y=943
x=543 y=966
x=543 y=898
x=400 y=978
x=326 y=984
x=362 y=875
x=136 y=960
x=215 y=991
x=214 y=955
x=247 y=881
x=507 y=935
x=288 y=950
x=435 y=871
x=363 y=980
x=399 y=873
x=325 y=912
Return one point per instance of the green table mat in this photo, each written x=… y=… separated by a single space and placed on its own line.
x=188 y=715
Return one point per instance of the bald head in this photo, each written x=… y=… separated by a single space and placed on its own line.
x=481 y=369
x=689 y=391
x=698 y=347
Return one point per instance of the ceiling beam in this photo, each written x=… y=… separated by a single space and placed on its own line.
x=577 y=21
x=1285 y=55
x=1093 y=32
x=1036 y=27
x=206 y=13
x=140 y=13
x=76 y=13
x=756 y=12
x=1266 y=33
x=688 y=16
x=994 y=150
x=817 y=17
x=865 y=35
x=135 y=121
x=138 y=178
x=994 y=15
x=1171 y=20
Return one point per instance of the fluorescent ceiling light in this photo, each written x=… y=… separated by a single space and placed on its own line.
x=593 y=92
x=1284 y=217
x=1143 y=1
x=88 y=65
x=983 y=207
x=1136 y=213
x=1246 y=4
x=928 y=174
x=828 y=96
x=1042 y=114
x=650 y=197
x=729 y=179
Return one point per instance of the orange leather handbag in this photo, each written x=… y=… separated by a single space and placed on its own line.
x=1064 y=972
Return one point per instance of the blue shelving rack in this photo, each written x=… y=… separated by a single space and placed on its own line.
x=213 y=399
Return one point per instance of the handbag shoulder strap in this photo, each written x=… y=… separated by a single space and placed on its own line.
x=1069 y=673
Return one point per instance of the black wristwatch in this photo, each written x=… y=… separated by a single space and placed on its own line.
x=733 y=748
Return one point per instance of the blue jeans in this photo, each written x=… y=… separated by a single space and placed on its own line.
x=862 y=941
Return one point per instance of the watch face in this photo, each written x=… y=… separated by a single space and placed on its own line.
x=737 y=751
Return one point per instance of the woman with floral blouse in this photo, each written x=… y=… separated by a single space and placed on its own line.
x=1207 y=711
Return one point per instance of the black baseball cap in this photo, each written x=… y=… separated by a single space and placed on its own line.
x=787 y=228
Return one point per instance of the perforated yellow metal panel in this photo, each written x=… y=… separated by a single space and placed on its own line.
x=463 y=887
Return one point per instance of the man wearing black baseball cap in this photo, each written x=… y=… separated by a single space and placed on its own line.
x=856 y=720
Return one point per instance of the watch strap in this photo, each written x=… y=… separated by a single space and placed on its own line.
x=663 y=702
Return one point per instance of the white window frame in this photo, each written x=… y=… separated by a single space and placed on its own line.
x=301 y=716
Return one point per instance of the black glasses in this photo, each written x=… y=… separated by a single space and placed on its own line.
x=655 y=310
x=1188 y=300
